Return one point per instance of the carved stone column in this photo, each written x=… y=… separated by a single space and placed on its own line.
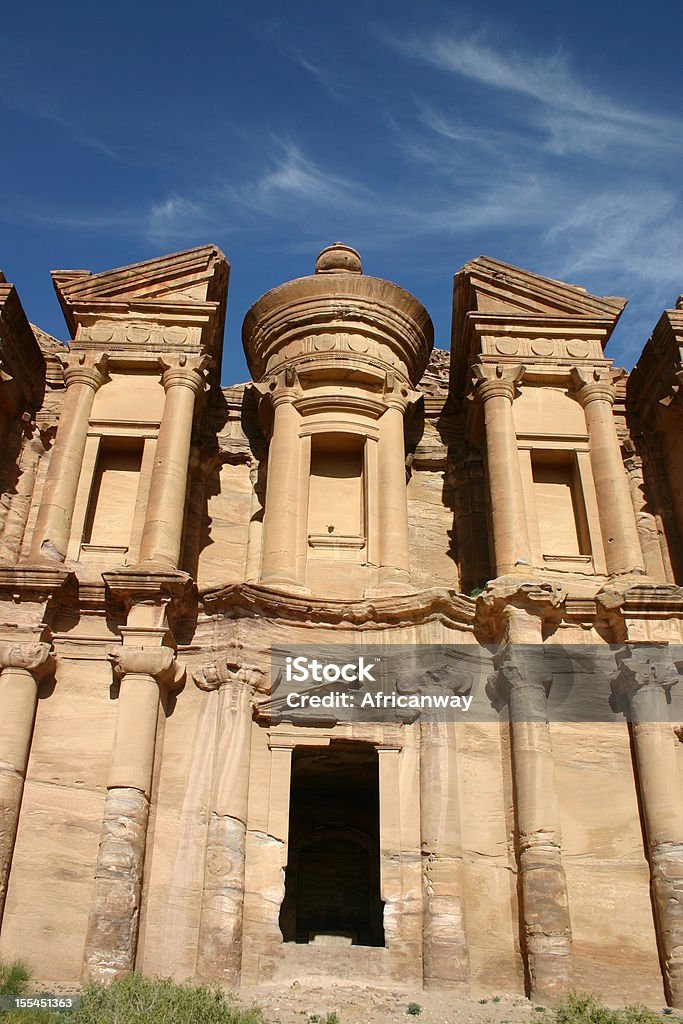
x=445 y=949
x=596 y=393
x=21 y=667
x=496 y=388
x=546 y=938
x=520 y=685
x=111 y=940
x=14 y=526
x=281 y=518
x=394 y=549
x=163 y=529
x=53 y=525
x=645 y=676
x=252 y=570
x=219 y=955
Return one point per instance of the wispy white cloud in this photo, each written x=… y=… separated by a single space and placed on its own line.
x=586 y=179
x=293 y=177
x=336 y=84
x=574 y=116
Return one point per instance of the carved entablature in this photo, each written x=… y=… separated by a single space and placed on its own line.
x=654 y=385
x=543 y=342
x=502 y=313
x=338 y=324
x=167 y=306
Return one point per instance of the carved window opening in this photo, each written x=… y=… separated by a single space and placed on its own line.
x=111 y=509
x=332 y=881
x=336 y=502
x=562 y=519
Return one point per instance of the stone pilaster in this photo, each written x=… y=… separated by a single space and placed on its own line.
x=53 y=525
x=183 y=381
x=495 y=388
x=445 y=949
x=111 y=940
x=596 y=392
x=219 y=954
x=645 y=676
x=22 y=665
x=520 y=685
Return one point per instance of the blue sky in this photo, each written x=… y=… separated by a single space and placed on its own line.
x=549 y=136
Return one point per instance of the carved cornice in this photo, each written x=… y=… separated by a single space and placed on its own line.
x=35 y=582
x=129 y=585
x=632 y=595
x=240 y=599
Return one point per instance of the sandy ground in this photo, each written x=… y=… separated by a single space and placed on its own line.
x=299 y=1005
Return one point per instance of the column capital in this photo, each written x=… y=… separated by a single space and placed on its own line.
x=519 y=672
x=516 y=609
x=595 y=384
x=281 y=388
x=643 y=665
x=36 y=658
x=159 y=662
x=182 y=371
x=83 y=370
x=230 y=669
x=398 y=394
x=497 y=381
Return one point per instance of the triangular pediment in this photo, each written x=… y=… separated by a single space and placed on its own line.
x=194 y=276
x=494 y=298
x=487 y=285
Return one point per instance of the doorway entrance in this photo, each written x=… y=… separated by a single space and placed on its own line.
x=332 y=881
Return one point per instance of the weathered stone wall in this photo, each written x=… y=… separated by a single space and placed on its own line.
x=144 y=791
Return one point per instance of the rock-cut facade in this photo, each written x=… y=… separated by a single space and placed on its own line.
x=161 y=534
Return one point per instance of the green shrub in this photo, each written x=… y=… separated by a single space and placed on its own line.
x=14 y=978
x=139 y=1000
x=583 y=1009
x=414 y=1009
x=136 y=1000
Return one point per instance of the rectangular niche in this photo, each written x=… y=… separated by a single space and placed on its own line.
x=111 y=509
x=336 y=500
x=562 y=521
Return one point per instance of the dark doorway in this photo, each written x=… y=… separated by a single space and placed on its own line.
x=332 y=883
